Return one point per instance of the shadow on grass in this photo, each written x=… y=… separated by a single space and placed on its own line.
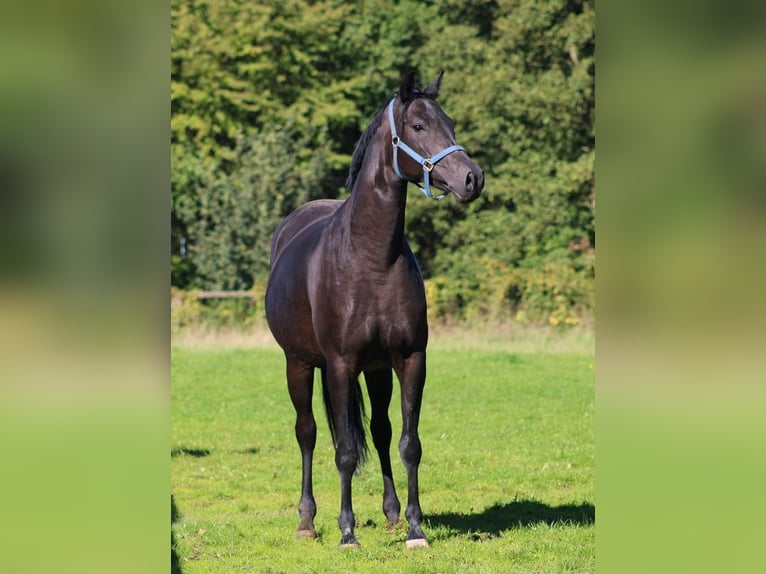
x=175 y=563
x=517 y=514
x=195 y=452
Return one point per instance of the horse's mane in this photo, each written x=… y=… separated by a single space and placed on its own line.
x=364 y=140
x=361 y=146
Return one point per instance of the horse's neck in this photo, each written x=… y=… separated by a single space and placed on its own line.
x=376 y=207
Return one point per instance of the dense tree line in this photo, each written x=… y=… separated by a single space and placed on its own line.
x=269 y=98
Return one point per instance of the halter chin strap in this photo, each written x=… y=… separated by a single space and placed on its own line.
x=427 y=163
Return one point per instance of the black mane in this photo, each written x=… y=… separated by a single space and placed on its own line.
x=361 y=146
x=364 y=140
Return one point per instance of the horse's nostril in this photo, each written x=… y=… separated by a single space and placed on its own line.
x=469 y=181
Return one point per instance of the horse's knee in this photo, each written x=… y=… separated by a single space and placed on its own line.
x=410 y=449
x=346 y=458
x=306 y=431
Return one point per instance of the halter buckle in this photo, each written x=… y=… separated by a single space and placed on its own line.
x=427 y=165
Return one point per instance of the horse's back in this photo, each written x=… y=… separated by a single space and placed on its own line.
x=305 y=216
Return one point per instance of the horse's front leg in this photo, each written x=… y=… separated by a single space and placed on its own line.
x=411 y=372
x=300 y=383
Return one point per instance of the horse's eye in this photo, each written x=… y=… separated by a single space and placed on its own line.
x=417 y=127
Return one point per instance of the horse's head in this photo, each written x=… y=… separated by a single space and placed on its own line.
x=423 y=138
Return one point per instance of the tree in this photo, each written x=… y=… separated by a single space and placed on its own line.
x=232 y=214
x=524 y=109
x=268 y=100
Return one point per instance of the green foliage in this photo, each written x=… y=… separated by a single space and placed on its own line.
x=190 y=314
x=235 y=206
x=185 y=309
x=268 y=100
x=529 y=124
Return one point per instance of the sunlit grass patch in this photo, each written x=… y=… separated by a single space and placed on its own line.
x=507 y=477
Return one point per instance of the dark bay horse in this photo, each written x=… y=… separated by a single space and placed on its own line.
x=346 y=296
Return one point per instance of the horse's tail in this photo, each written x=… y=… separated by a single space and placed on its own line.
x=357 y=418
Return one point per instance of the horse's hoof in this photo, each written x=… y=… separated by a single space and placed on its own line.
x=348 y=540
x=416 y=543
x=306 y=534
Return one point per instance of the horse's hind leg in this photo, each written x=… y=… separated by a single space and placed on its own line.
x=300 y=383
x=349 y=437
x=411 y=372
x=379 y=387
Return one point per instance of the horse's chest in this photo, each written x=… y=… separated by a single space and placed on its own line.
x=357 y=308
x=389 y=311
x=389 y=297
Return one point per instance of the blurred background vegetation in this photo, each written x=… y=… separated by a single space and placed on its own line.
x=269 y=98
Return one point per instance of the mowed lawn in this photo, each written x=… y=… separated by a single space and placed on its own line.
x=507 y=480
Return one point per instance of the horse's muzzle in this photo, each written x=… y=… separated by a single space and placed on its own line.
x=474 y=183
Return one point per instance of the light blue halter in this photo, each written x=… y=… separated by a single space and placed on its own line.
x=427 y=163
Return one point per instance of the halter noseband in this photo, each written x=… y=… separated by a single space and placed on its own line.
x=427 y=163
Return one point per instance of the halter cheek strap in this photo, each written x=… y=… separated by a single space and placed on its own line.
x=427 y=163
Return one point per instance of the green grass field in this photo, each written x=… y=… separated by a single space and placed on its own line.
x=507 y=481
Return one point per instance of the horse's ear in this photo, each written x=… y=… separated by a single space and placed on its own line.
x=433 y=88
x=407 y=86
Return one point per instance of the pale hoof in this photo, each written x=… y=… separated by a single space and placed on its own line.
x=416 y=543
x=306 y=534
x=348 y=540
